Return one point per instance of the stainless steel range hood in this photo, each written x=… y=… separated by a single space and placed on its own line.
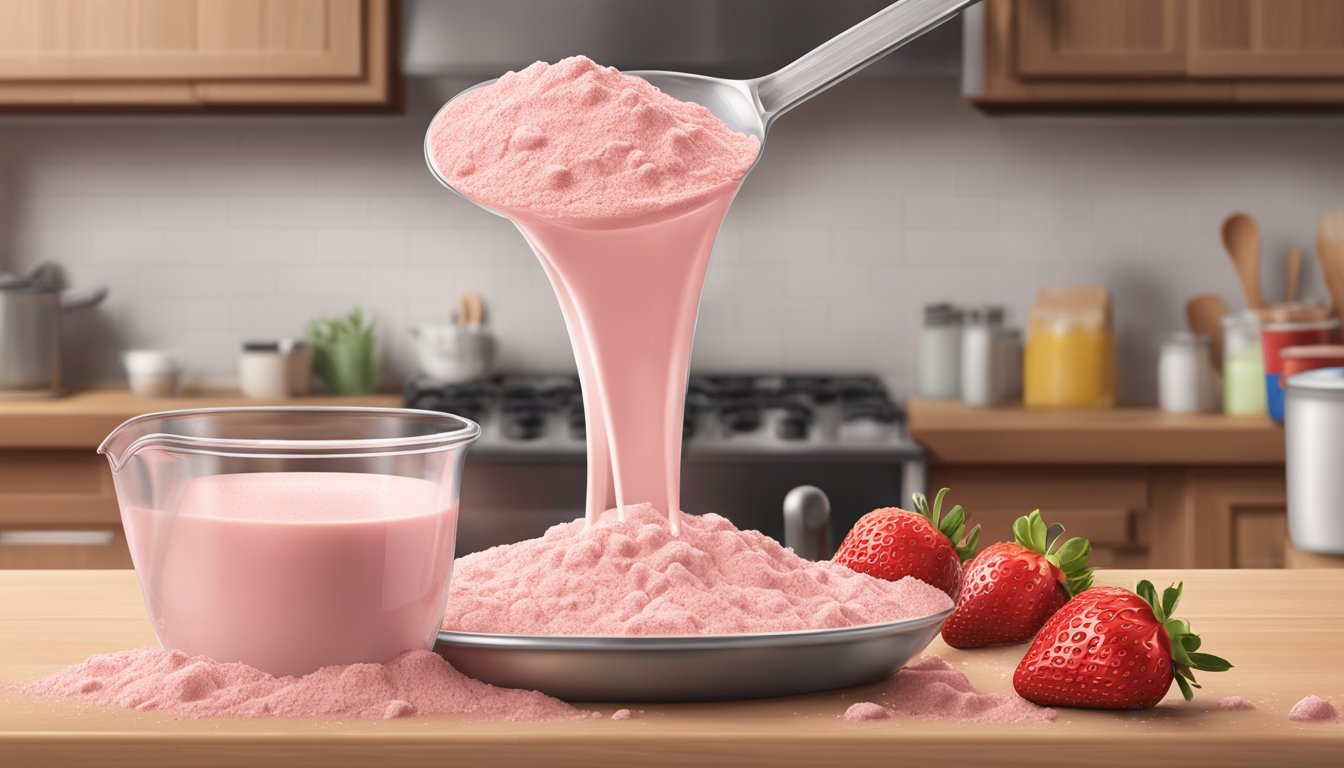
x=730 y=38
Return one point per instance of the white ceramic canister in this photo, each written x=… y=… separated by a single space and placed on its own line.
x=1185 y=380
x=939 y=375
x=1314 y=435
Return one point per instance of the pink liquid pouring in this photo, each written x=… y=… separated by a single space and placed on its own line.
x=292 y=571
x=621 y=191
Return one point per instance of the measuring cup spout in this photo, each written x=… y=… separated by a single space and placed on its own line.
x=849 y=52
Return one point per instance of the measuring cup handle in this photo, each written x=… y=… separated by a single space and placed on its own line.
x=850 y=51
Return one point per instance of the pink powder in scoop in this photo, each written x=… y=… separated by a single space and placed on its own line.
x=621 y=714
x=932 y=689
x=1313 y=709
x=635 y=578
x=1235 y=703
x=415 y=683
x=576 y=140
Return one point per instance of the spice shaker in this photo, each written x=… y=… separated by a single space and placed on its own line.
x=940 y=353
x=1185 y=382
x=979 y=372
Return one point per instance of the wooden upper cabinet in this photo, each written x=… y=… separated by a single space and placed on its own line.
x=1123 y=53
x=195 y=52
x=1111 y=38
x=1267 y=39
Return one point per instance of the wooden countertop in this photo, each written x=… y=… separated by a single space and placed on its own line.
x=83 y=419
x=955 y=434
x=1281 y=629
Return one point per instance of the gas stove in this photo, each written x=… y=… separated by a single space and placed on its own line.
x=748 y=441
x=725 y=414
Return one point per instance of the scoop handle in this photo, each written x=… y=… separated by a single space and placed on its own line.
x=850 y=51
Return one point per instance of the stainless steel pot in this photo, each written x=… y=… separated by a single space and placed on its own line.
x=30 y=331
x=1314 y=423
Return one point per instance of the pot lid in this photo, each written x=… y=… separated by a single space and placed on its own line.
x=1319 y=380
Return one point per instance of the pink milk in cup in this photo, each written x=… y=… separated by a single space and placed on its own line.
x=291 y=539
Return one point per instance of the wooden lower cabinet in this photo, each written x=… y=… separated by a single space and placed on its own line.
x=1136 y=517
x=58 y=510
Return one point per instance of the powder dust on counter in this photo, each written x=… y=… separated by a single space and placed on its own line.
x=577 y=140
x=635 y=578
x=1313 y=709
x=1236 y=703
x=416 y=683
x=931 y=689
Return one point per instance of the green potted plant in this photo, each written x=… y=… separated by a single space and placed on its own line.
x=344 y=354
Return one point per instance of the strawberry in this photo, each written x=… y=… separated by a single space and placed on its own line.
x=892 y=543
x=1011 y=588
x=1109 y=648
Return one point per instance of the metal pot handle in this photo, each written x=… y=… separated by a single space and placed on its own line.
x=83 y=299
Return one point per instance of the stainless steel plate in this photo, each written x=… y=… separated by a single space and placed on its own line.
x=693 y=668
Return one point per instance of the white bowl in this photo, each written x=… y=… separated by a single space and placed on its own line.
x=454 y=354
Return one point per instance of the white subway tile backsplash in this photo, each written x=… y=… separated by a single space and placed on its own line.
x=877 y=198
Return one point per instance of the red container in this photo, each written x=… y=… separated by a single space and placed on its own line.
x=1276 y=337
x=1309 y=358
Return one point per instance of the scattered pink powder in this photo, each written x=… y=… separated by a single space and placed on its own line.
x=577 y=140
x=621 y=714
x=1313 y=709
x=930 y=688
x=1235 y=702
x=867 y=710
x=635 y=578
x=415 y=683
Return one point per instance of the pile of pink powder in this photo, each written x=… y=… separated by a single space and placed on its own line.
x=576 y=140
x=635 y=578
x=414 y=683
x=930 y=688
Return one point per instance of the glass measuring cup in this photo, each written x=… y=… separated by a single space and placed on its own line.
x=291 y=538
x=635 y=451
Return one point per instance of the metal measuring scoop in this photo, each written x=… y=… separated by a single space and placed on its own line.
x=751 y=106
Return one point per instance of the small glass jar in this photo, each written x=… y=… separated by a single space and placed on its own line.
x=940 y=353
x=1243 y=366
x=1185 y=382
x=1069 y=363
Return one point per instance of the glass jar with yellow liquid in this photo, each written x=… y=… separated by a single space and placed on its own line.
x=1070 y=350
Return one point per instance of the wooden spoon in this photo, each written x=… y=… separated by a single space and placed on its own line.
x=1241 y=238
x=1330 y=254
x=1294 y=274
x=470 y=310
x=1204 y=315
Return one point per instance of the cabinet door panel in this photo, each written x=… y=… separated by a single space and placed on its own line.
x=1101 y=38
x=153 y=40
x=1264 y=39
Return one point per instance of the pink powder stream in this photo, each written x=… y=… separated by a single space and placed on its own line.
x=620 y=190
x=415 y=683
x=931 y=689
x=633 y=578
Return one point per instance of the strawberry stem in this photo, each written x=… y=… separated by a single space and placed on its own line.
x=953 y=525
x=1070 y=557
x=1184 y=643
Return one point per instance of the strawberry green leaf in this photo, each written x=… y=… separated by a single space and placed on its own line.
x=1146 y=591
x=953 y=526
x=1052 y=534
x=1171 y=597
x=1185 y=688
x=1207 y=662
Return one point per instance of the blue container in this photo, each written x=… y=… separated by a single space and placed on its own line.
x=1274 y=396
